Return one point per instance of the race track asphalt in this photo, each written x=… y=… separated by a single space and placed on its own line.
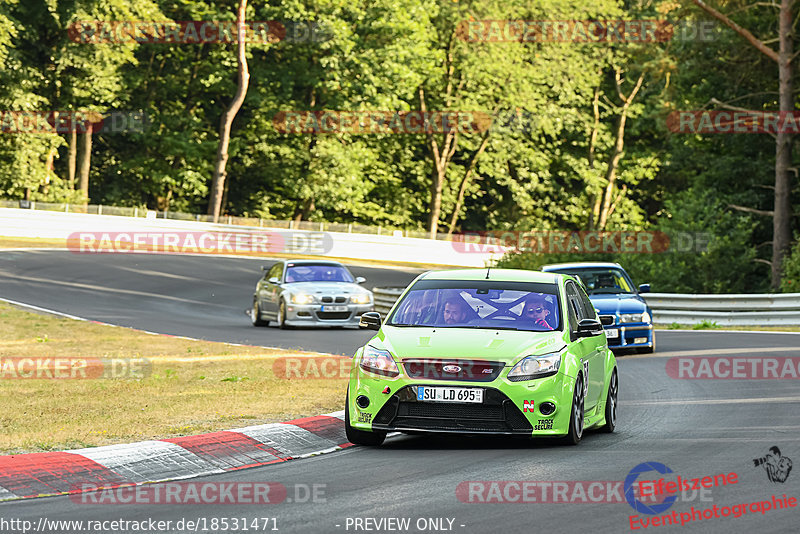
x=697 y=428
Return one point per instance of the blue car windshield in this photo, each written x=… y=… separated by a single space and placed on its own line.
x=511 y=309
x=602 y=280
x=317 y=273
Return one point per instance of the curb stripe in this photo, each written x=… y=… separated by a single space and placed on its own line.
x=326 y=427
x=228 y=450
x=149 y=461
x=294 y=440
x=46 y=473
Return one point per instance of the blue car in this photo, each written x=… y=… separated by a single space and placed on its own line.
x=626 y=317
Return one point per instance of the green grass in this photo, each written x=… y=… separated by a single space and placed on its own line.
x=194 y=387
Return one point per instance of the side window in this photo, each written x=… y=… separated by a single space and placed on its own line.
x=275 y=271
x=588 y=308
x=574 y=306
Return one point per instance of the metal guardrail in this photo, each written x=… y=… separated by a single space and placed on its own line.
x=385 y=297
x=780 y=309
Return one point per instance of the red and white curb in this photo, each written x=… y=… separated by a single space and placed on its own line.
x=58 y=473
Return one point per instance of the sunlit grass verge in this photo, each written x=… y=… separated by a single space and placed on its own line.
x=195 y=387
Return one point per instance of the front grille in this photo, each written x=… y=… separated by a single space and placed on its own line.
x=455 y=411
x=607 y=320
x=497 y=414
x=326 y=300
x=469 y=370
x=340 y=300
x=333 y=315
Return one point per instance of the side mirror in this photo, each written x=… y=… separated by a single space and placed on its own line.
x=264 y=267
x=360 y=279
x=370 y=321
x=644 y=288
x=589 y=328
x=274 y=280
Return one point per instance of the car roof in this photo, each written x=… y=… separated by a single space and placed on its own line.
x=581 y=265
x=503 y=275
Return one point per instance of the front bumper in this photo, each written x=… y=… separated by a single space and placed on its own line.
x=313 y=314
x=508 y=408
x=630 y=336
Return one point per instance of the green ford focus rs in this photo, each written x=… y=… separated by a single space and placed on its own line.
x=477 y=351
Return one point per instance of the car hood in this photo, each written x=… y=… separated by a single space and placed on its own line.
x=325 y=288
x=465 y=343
x=620 y=303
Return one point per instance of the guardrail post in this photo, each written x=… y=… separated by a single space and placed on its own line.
x=349 y=228
x=135 y=211
x=291 y=224
x=66 y=207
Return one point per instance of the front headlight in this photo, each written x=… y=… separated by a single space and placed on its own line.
x=361 y=299
x=379 y=362
x=301 y=298
x=535 y=367
x=635 y=317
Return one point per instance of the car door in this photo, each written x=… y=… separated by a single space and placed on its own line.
x=598 y=346
x=271 y=290
x=584 y=347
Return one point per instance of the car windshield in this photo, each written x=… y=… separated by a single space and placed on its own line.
x=480 y=307
x=600 y=280
x=317 y=273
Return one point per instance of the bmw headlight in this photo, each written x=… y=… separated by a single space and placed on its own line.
x=361 y=299
x=379 y=362
x=302 y=298
x=635 y=317
x=532 y=367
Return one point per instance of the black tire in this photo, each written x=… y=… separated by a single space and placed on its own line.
x=576 y=416
x=648 y=350
x=360 y=437
x=282 y=315
x=255 y=315
x=611 y=404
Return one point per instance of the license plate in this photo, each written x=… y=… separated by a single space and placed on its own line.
x=612 y=333
x=439 y=394
x=334 y=308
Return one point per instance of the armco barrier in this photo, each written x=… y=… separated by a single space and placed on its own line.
x=781 y=309
x=385 y=297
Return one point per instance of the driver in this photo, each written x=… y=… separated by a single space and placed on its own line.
x=536 y=311
x=455 y=311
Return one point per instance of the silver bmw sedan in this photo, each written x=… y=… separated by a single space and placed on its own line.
x=309 y=293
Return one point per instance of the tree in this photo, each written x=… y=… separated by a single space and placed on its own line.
x=782 y=211
x=218 y=180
